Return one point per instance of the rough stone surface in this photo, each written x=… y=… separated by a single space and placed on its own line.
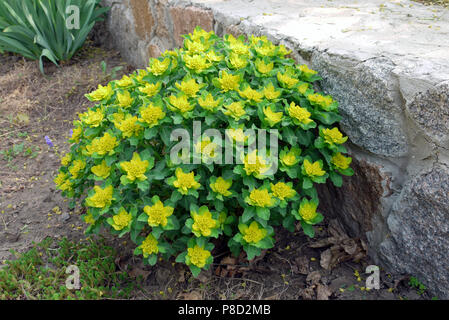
x=357 y=211
x=186 y=19
x=143 y=18
x=163 y=22
x=367 y=97
x=387 y=63
x=121 y=22
x=430 y=110
x=419 y=230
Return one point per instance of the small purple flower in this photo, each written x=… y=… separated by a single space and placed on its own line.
x=71 y=132
x=48 y=141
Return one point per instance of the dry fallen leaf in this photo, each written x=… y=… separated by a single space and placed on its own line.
x=229 y=260
x=193 y=295
x=136 y=272
x=308 y=293
x=204 y=276
x=323 y=292
x=302 y=265
x=342 y=248
x=325 y=260
x=314 y=277
x=182 y=277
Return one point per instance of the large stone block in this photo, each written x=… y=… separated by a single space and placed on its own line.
x=362 y=201
x=143 y=18
x=185 y=19
x=359 y=199
x=121 y=25
x=164 y=25
x=367 y=94
x=419 y=230
x=430 y=111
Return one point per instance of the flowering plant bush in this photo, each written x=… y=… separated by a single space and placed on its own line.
x=122 y=150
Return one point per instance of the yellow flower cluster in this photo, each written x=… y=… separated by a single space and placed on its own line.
x=150 y=89
x=62 y=181
x=307 y=211
x=300 y=114
x=263 y=67
x=103 y=145
x=323 y=101
x=158 y=67
x=77 y=166
x=206 y=148
x=272 y=117
x=149 y=246
x=136 y=168
x=208 y=103
x=124 y=99
x=198 y=256
x=151 y=115
x=222 y=186
x=235 y=110
x=286 y=80
x=196 y=62
x=340 y=161
x=121 y=220
x=102 y=93
x=282 y=191
x=101 y=198
x=313 y=169
x=102 y=170
x=189 y=87
x=158 y=214
x=290 y=158
x=333 y=136
x=180 y=104
x=128 y=126
x=251 y=95
x=185 y=181
x=261 y=198
x=203 y=223
x=253 y=233
x=92 y=118
x=270 y=92
x=65 y=161
x=256 y=165
x=228 y=81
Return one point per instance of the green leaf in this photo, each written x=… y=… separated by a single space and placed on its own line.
x=152 y=259
x=308 y=229
x=195 y=270
x=289 y=223
x=327 y=118
x=304 y=137
x=252 y=252
x=248 y=213
x=263 y=213
x=265 y=243
x=336 y=179
x=175 y=196
x=307 y=183
x=150 y=133
x=143 y=217
x=181 y=257
x=290 y=136
x=143 y=185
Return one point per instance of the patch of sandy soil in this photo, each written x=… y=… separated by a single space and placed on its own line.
x=33 y=106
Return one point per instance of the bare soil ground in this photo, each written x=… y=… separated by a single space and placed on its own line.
x=33 y=106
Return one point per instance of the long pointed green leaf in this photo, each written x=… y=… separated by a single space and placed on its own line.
x=13 y=45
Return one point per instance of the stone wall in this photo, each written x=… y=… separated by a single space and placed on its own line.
x=388 y=66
